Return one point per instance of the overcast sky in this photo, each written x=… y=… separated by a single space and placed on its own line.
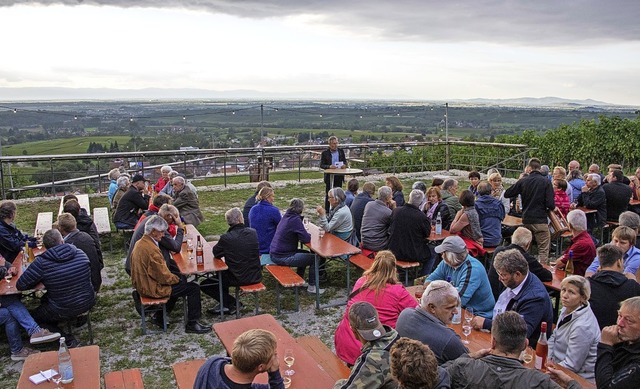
x=413 y=49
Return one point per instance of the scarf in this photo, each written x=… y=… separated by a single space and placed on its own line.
x=334 y=210
x=432 y=210
x=497 y=192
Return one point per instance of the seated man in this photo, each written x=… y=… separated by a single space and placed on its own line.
x=467 y=274
x=414 y=366
x=376 y=221
x=67 y=227
x=12 y=240
x=428 y=322
x=524 y=294
x=450 y=195
x=593 y=197
x=84 y=223
x=617 y=194
x=625 y=239
x=609 y=286
x=254 y=352
x=186 y=201
x=239 y=248
x=371 y=369
x=12 y=329
x=491 y=213
x=352 y=191
x=521 y=241
x=158 y=201
x=618 y=364
x=408 y=232
x=131 y=205
x=632 y=220
x=499 y=366
x=65 y=272
x=358 y=204
x=151 y=277
x=582 y=248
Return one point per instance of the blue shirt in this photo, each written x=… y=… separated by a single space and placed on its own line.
x=631 y=261
x=470 y=278
x=335 y=157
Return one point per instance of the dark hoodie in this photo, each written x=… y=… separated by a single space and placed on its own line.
x=608 y=288
x=65 y=272
x=210 y=377
x=86 y=224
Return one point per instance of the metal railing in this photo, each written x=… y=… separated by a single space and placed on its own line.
x=50 y=174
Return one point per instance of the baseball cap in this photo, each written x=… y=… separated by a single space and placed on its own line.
x=138 y=177
x=363 y=317
x=453 y=244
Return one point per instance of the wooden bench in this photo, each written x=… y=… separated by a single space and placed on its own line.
x=488 y=256
x=43 y=223
x=327 y=360
x=287 y=278
x=124 y=379
x=405 y=266
x=249 y=289
x=149 y=304
x=361 y=261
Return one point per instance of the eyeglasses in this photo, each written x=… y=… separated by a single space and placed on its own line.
x=437 y=288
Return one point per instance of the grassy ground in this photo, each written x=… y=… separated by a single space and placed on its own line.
x=116 y=325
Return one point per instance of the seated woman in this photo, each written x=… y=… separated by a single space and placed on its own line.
x=575 y=182
x=339 y=221
x=379 y=286
x=436 y=206
x=467 y=222
x=264 y=218
x=574 y=342
x=497 y=190
x=396 y=186
x=284 y=246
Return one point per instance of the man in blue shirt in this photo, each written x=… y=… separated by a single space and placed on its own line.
x=625 y=239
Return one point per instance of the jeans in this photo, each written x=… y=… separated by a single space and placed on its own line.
x=12 y=329
x=300 y=259
x=543 y=239
x=20 y=313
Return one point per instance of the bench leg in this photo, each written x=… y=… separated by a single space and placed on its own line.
x=296 y=288
x=257 y=301
x=144 y=319
x=89 y=327
x=237 y=302
x=278 y=298
x=164 y=318
x=184 y=311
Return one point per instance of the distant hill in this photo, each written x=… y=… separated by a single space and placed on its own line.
x=541 y=102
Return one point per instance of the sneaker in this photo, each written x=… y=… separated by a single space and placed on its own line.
x=305 y=285
x=44 y=336
x=312 y=289
x=23 y=354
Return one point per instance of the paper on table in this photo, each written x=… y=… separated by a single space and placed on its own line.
x=339 y=164
x=42 y=376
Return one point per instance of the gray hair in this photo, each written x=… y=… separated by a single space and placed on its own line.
x=584 y=288
x=437 y=293
x=7 y=209
x=332 y=137
x=449 y=183
x=166 y=169
x=629 y=219
x=595 y=177
x=233 y=216
x=168 y=209
x=511 y=261
x=296 y=205
x=114 y=174
x=338 y=193
x=384 y=193
x=416 y=197
x=419 y=185
x=178 y=179
x=173 y=174
x=521 y=237
x=484 y=188
x=633 y=303
x=509 y=330
x=455 y=259
x=156 y=223
x=123 y=181
x=52 y=238
x=577 y=219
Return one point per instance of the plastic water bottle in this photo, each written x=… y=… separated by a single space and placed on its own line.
x=457 y=316
x=438 y=224
x=65 y=367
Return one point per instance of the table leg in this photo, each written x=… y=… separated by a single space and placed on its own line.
x=316 y=265
x=221 y=296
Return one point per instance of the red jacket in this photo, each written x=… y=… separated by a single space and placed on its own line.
x=562 y=201
x=584 y=251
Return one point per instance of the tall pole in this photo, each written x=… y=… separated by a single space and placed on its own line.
x=446 y=135
x=261 y=121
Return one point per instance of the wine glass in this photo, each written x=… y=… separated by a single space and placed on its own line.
x=286 y=381
x=305 y=221
x=39 y=239
x=289 y=358
x=527 y=355
x=7 y=277
x=56 y=377
x=468 y=315
x=320 y=232
x=466 y=330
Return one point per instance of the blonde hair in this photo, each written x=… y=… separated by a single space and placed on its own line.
x=252 y=348
x=264 y=193
x=382 y=272
x=584 y=288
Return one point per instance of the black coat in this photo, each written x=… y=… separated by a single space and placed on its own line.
x=84 y=242
x=597 y=200
x=408 y=233
x=131 y=203
x=357 y=211
x=617 y=195
x=240 y=248
x=325 y=163
x=608 y=288
x=537 y=197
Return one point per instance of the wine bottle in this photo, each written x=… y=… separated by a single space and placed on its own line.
x=542 y=348
x=199 y=253
x=569 y=269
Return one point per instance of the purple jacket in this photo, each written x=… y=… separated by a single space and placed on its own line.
x=290 y=231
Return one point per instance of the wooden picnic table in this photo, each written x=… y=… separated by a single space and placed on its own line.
x=185 y=372
x=83 y=200
x=340 y=172
x=329 y=246
x=587 y=210
x=512 y=221
x=187 y=263
x=433 y=237
x=9 y=288
x=308 y=373
x=86 y=368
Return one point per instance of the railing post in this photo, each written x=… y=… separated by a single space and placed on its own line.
x=224 y=161
x=53 y=179
x=4 y=196
x=299 y=165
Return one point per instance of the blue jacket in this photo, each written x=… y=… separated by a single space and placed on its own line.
x=209 y=376
x=113 y=187
x=472 y=283
x=11 y=241
x=290 y=231
x=534 y=304
x=491 y=213
x=65 y=272
x=264 y=218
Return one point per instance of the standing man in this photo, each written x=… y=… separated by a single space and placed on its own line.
x=332 y=158
x=186 y=201
x=131 y=205
x=618 y=364
x=536 y=192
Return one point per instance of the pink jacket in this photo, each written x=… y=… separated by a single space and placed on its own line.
x=392 y=300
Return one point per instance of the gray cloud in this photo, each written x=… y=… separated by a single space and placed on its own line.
x=511 y=22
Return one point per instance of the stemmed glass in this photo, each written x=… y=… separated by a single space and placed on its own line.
x=527 y=355
x=7 y=277
x=190 y=248
x=305 y=221
x=56 y=377
x=466 y=327
x=289 y=358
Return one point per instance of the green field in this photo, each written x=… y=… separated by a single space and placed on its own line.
x=75 y=145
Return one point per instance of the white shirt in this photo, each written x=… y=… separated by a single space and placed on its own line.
x=506 y=296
